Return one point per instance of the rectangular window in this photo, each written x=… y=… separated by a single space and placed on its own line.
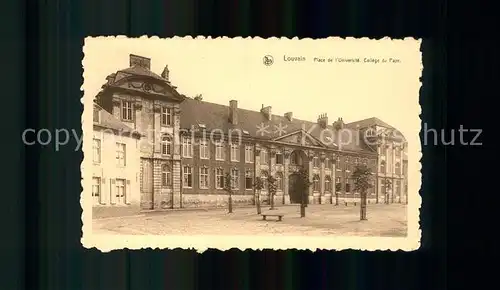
x=166 y=145
x=120 y=154
x=127 y=110
x=235 y=152
x=97 y=151
x=327 y=163
x=219 y=150
x=96 y=190
x=249 y=154
x=166 y=176
x=204 y=177
x=96 y=115
x=279 y=181
x=166 y=116
x=120 y=190
x=219 y=178
x=187 y=147
x=248 y=179
x=263 y=157
x=204 y=149
x=347 y=186
x=338 y=185
x=279 y=158
x=187 y=177
x=316 y=185
x=337 y=163
x=235 y=180
x=316 y=162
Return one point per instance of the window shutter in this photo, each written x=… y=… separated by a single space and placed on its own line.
x=102 y=197
x=112 y=191
x=127 y=192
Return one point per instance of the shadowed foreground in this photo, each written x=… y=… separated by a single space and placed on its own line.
x=383 y=221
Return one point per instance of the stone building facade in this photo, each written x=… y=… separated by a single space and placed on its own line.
x=189 y=145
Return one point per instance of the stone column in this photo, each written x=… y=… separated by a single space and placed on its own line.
x=326 y=197
x=286 y=173
x=257 y=150
x=176 y=184
x=319 y=196
x=310 y=170
x=272 y=172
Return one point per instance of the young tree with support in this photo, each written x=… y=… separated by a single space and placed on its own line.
x=229 y=187
x=303 y=184
x=258 y=185
x=272 y=189
x=338 y=188
x=362 y=176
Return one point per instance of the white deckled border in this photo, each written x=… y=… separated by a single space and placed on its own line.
x=108 y=243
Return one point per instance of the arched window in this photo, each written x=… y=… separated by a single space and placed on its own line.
x=166 y=175
x=279 y=181
x=295 y=158
x=166 y=145
x=382 y=166
x=328 y=183
x=397 y=168
x=316 y=185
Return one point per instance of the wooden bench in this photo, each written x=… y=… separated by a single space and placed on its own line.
x=279 y=216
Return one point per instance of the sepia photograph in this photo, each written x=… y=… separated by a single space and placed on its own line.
x=251 y=143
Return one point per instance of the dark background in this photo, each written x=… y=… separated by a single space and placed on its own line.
x=41 y=217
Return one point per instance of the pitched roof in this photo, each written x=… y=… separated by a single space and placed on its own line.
x=373 y=121
x=108 y=121
x=216 y=116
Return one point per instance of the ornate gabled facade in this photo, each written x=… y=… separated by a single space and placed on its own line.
x=189 y=145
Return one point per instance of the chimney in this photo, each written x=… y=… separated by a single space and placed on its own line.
x=165 y=74
x=323 y=120
x=136 y=60
x=233 y=112
x=266 y=111
x=337 y=127
x=289 y=116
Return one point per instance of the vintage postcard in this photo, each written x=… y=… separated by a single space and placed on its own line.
x=251 y=143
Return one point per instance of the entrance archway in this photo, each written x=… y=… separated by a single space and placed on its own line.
x=298 y=161
x=293 y=189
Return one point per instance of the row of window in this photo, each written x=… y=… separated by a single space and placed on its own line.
x=397 y=152
x=383 y=167
x=117 y=194
x=387 y=185
x=204 y=179
x=166 y=115
x=121 y=149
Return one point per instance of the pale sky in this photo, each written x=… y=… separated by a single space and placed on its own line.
x=225 y=69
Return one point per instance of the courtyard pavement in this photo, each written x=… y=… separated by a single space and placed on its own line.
x=383 y=221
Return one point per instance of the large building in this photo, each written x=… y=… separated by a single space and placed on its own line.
x=186 y=146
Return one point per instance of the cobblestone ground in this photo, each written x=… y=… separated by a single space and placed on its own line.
x=383 y=220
